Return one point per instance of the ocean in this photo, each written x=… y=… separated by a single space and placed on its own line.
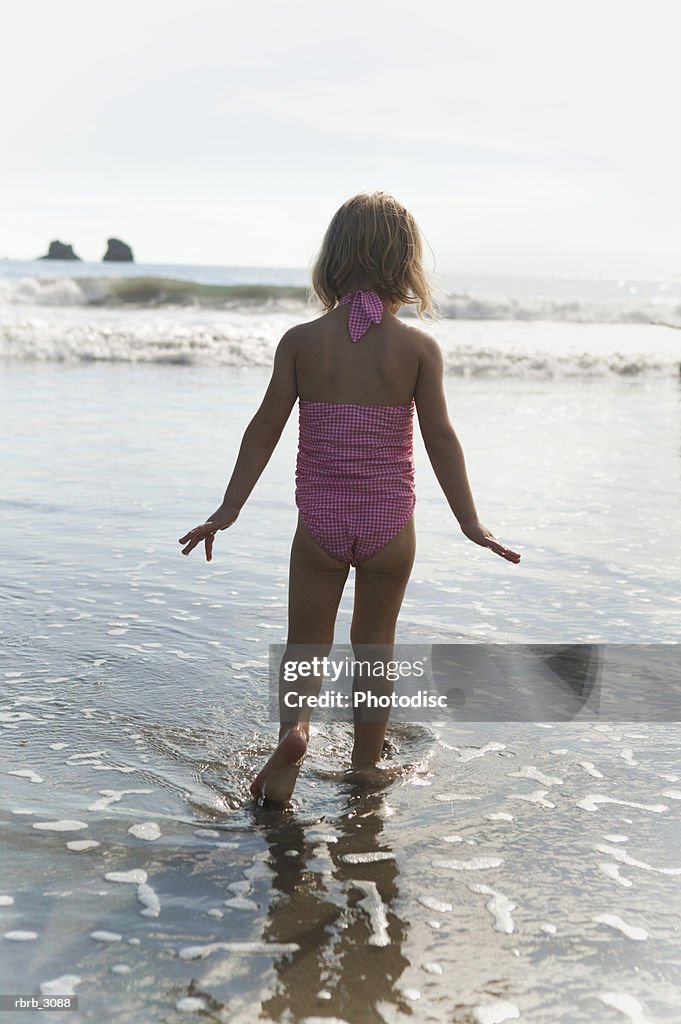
x=502 y=870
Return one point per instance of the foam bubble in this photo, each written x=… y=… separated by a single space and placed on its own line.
x=591 y=802
x=62 y=986
x=612 y=871
x=239 y=888
x=106 y=936
x=258 y=870
x=27 y=773
x=499 y=906
x=496 y=1012
x=323 y=1020
x=627 y=1005
x=65 y=825
x=439 y=906
x=19 y=936
x=613 y=921
x=246 y=948
x=150 y=901
x=137 y=876
x=241 y=903
x=6 y=901
x=475 y=864
x=148 y=830
x=528 y=771
x=433 y=968
x=367 y=858
x=112 y=796
x=190 y=1004
x=373 y=905
x=623 y=857
x=537 y=797
x=472 y=755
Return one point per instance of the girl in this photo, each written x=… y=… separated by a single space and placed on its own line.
x=357 y=372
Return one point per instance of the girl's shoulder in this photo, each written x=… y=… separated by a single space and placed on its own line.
x=309 y=331
x=420 y=341
x=305 y=329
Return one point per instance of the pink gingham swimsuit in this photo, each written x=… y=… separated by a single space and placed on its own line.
x=355 y=469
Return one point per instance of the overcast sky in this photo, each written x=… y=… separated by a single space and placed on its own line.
x=526 y=136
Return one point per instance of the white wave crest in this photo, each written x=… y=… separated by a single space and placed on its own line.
x=500 y=349
x=35 y=291
x=480 y=307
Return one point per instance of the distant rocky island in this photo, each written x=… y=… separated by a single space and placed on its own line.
x=60 y=251
x=116 y=252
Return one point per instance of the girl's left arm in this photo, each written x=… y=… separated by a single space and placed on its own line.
x=259 y=441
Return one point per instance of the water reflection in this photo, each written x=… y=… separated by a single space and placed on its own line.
x=341 y=912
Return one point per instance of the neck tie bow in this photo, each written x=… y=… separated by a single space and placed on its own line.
x=365 y=308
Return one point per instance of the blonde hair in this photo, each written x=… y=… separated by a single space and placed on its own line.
x=372 y=243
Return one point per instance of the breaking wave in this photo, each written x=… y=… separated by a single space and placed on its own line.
x=156 y=292
x=471 y=307
x=152 y=292
x=220 y=316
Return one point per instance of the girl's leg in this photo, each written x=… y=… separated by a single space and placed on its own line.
x=380 y=584
x=316 y=582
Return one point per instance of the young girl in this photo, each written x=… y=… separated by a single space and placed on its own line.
x=357 y=372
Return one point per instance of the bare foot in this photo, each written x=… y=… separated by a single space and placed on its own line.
x=373 y=775
x=277 y=779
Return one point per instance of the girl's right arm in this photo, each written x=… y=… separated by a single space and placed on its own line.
x=259 y=441
x=445 y=451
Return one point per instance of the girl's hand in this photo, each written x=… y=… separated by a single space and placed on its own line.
x=220 y=520
x=479 y=534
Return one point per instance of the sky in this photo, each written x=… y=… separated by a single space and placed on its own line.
x=526 y=137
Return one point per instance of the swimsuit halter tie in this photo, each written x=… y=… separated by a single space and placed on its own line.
x=366 y=308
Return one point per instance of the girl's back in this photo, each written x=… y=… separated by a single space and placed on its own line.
x=380 y=369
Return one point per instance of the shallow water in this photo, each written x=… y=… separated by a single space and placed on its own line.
x=134 y=684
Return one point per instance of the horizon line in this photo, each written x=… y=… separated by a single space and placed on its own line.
x=601 y=276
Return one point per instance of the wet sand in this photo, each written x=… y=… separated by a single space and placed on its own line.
x=508 y=871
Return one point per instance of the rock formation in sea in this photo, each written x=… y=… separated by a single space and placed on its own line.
x=60 y=251
x=117 y=251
